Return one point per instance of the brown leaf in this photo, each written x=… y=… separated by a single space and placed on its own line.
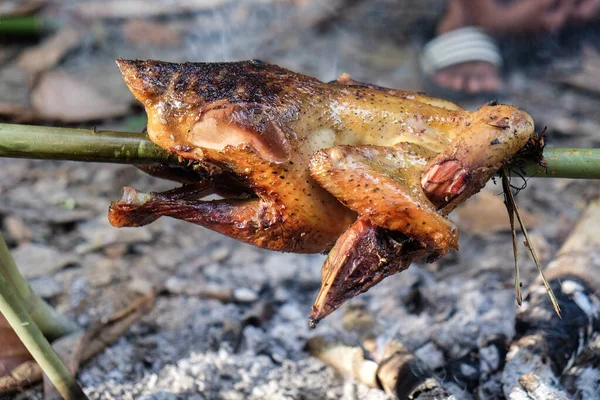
x=36 y=260
x=79 y=347
x=50 y=52
x=189 y=287
x=98 y=233
x=16 y=112
x=588 y=78
x=14 y=94
x=139 y=31
x=485 y=214
x=12 y=352
x=7 y=53
x=52 y=214
x=17 y=230
x=62 y=98
x=17 y=8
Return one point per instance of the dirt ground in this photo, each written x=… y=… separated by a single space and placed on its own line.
x=223 y=345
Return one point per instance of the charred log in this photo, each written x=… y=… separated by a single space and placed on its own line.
x=546 y=346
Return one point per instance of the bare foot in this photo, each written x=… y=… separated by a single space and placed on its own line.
x=471 y=77
x=519 y=18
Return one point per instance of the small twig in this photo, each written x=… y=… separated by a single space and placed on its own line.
x=511 y=219
x=513 y=209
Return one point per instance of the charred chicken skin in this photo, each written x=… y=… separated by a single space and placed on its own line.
x=364 y=172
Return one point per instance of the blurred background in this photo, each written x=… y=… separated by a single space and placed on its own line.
x=57 y=68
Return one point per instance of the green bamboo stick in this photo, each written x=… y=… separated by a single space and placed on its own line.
x=39 y=142
x=51 y=143
x=567 y=163
x=26 y=25
x=52 y=324
x=11 y=306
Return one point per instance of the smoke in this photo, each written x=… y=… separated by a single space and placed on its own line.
x=308 y=36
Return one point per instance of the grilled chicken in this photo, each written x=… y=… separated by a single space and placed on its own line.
x=364 y=172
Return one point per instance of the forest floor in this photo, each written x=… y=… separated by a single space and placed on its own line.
x=199 y=345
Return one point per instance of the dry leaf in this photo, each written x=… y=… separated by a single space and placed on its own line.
x=48 y=54
x=35 y=260
x=17 y=8
x=16 y=112
x=12 y=352
x=485 y=213
x=588 y=78
x=17 y=230
x=14 y=94
x=99 y=233
x=77 y=348
x=139 y=31
x=189 y=287
x=143 y=8
x=7 y=52
x=59 y=97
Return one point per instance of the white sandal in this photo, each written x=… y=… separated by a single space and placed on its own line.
x=455 y=47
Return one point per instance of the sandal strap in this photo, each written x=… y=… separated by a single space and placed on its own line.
x=459 y=46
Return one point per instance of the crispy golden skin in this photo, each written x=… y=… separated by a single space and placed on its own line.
x=298 y=160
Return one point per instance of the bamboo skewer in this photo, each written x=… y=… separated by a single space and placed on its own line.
x=40 y=142
x=51 y=143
